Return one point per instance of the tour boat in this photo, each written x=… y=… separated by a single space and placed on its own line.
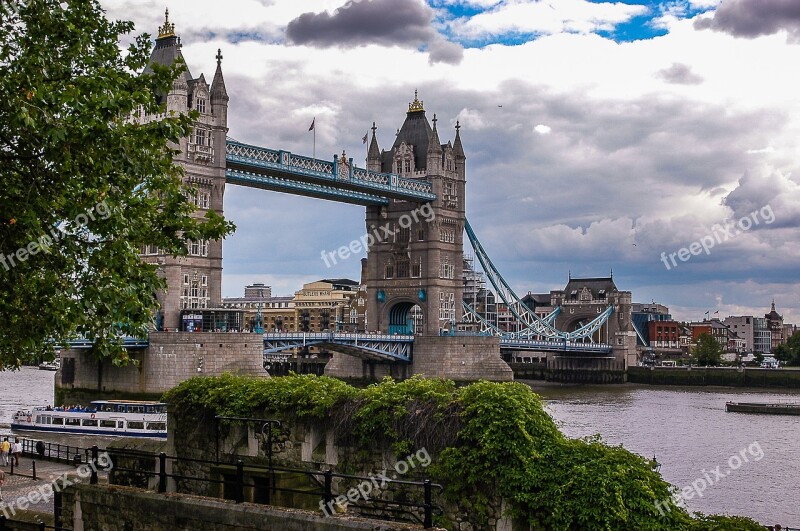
x=103 y=417
x=49 y=366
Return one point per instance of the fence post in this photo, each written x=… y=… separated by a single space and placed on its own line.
x=428 y=523
x=328 y=487
x=33 y=464
x=239 y=481
x=93 y=478
x=58 y=523
x=42 y=526
x=162 y=472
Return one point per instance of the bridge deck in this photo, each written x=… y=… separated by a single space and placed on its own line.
x=283 y=171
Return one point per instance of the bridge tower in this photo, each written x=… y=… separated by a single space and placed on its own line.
x=415 y=259
x=195 y=280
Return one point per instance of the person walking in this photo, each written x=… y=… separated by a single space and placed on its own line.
x=16 y=450
x=5 y=449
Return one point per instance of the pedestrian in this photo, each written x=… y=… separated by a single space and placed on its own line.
x=5 y=449
x=16 y=450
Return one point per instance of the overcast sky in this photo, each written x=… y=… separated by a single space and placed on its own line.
x=598 y=135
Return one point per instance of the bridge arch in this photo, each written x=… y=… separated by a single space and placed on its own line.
x=600 y=336
x=403 y=318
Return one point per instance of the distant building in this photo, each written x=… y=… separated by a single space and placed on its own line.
x=326 y=305
x=726 y=338
x=641 y=317
x=775 y=327
x=762 y=336
x=744 y=328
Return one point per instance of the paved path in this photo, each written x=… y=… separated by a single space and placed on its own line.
x=36 y=491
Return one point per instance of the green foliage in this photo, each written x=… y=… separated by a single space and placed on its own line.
x=505 y=445
x=715 y=522
x=708 y=351
x=789 y=352
x=84 y=186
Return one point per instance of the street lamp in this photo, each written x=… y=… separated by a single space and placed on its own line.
x=655 y=465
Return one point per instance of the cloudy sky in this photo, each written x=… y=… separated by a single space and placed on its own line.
x=598 y=134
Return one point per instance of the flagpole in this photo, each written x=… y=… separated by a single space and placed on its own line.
x=314 y=149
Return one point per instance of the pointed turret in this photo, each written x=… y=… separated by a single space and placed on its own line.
x=415 y=132
x=458 y=152
x=218 y=92
x=434 y=165
x=374 y=153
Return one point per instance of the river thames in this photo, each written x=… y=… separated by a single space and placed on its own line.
x=751 y=460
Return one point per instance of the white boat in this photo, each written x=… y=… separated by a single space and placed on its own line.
x=49 y=365
x=127 y=418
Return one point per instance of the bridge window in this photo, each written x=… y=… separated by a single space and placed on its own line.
x=402 y=268
x=420 y=234
x=201 y=105
x=446 y=269
x=404 y=236
x=416 y=269
x=447 y=236
x=447 y=306
x=200 y=136
x=389 y=271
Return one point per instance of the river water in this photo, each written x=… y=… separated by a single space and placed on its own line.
x=691 y=434
x=687 y=429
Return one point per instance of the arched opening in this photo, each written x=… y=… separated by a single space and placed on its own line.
x=599 y=336
x=405 y=318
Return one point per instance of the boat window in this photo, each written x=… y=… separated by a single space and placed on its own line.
x=108 y=423
x=38 y=419
x=161 y=426
x=72 y=422
x=135 y=409
x=120 y=424
x=89 y=422
x=58 y=420
x=135 y=425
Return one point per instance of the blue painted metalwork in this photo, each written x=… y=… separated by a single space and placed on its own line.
x=259 y=167
x=381 y=347
x=534 y=325
x=130 y=343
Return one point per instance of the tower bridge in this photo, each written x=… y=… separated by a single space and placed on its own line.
x=415 y=266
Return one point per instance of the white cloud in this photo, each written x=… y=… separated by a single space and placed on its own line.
x=627 y=157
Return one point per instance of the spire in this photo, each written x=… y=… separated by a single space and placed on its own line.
x=218 y=92
x=416 y=105
x=167 y=30
x=434 y=146
x=458 y=149
x=773 y=305
x=374 y=153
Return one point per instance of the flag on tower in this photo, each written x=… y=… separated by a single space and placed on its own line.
x=311 y=127
x=364 y=138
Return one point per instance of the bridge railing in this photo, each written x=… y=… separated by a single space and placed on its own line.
x=341 y=336
x=330 y=170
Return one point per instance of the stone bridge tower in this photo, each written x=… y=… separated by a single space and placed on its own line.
x=414 y=265
x=194 y=281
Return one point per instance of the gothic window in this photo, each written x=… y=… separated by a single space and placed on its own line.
x=416 y=269
x=421 y=234
x=447 y=306
x=407 y=166
x=200 y=136
x=404 y=235
x=402 y=268
x=447 y=236
x=389 y=271
x=201 y=105
x=446 y=269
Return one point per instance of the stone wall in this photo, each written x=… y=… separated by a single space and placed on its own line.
x=460 y=358
x=311 y=446
x=171 y=358
x=101 y=507
x=722 y=376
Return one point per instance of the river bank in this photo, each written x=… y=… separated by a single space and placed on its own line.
x=751 y=377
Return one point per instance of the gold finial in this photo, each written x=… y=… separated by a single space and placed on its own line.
x=167 y=30
x=416 y=105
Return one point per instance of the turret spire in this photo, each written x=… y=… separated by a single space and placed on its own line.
x=218 y=91
x=168 y=29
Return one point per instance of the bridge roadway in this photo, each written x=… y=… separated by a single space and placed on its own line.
x=282 y=171
x=386 y=347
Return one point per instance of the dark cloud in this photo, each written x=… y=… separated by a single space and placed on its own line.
x=680 y=74
x=750 y=18
x=385 y=22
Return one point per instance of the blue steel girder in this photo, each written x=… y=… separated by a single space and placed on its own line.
x=353 y=184
x=130 y=343
x=554 y=346
x=381 y=347
x=489 y=329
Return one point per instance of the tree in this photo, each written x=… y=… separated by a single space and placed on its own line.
x=708 y=351
x=84 y=186
x=789 y=352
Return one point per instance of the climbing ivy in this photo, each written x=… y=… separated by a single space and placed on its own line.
x=487 y=439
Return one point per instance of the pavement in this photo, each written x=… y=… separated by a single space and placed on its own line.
x=21 y=491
